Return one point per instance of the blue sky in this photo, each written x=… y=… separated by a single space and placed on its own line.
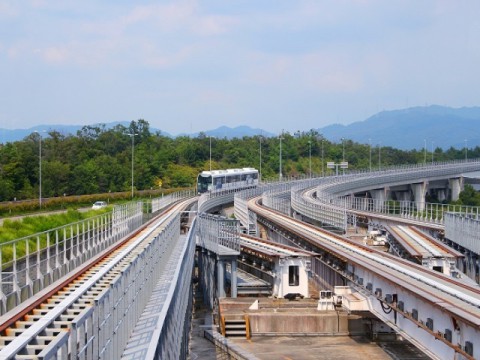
x=187 y=66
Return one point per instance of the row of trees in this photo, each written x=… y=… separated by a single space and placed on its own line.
x=98 y=160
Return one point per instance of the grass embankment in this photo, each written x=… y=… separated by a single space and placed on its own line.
x=16 y=229
x=13 y=208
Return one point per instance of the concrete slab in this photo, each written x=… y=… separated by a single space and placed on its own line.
x=306 y=348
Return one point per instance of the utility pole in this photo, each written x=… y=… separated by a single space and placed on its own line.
x=310 y=156
x=132 y=135
x=260 y=141
x=280 y=175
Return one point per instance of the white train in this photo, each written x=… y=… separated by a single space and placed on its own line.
x=226 y=179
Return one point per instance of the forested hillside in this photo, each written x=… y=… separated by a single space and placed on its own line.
x=98 y=160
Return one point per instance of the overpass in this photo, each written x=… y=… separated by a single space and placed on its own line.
x=437 y=313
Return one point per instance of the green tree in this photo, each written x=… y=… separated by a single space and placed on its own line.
x=469 y=196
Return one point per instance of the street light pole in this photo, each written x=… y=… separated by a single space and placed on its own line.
x=370 y=159
x=280 y=169
x=210 y=153
x=466 y=150
x=343 y=154
x=132 y=135
x=379 y=157
x=425 y=153
x=310 y=156
x=323 y=173
x=432 y=152
x=260 y=141
x=39 y=169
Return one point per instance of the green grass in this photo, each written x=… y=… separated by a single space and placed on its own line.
x=16 y=229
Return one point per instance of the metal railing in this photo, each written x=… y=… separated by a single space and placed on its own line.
x=216 y=232
x=161 y=202
x=31 y=263
x=334 y=200
x=464 y=230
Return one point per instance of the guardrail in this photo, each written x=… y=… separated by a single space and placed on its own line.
x=31 y=263
x=334 y=200
x=169 y=325
x=463 y=229
x=163 y=201
x=216 y=232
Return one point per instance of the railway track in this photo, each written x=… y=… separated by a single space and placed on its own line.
x=455 y=304
x=422 y=244
x=462 y=300
x=71 y=319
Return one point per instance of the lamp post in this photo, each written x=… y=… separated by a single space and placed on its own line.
x=379 y=157
x=466 y=150
x=132 y=135
x=432 y=152
x=310 y=156
x=323 y=173
x=260 y=173
x=370 y=158
x=39 y=169
x=343 y=154
x=425 y=153
x=280 y=168
x=210 y=153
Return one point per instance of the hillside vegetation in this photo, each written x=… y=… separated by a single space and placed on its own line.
x=98 y=160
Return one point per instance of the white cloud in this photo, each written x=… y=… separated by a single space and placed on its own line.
x=55 y=55
x=326 y=72
x=360 y=53
x=8 y=10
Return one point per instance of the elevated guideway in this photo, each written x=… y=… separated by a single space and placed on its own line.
x=436 y=313
x=92 y=311
x=410 y=242
x=339 y=200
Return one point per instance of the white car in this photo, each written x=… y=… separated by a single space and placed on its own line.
x=99 y=205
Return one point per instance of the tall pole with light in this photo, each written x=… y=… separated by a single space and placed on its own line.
x=370 y=148
x=432 y=152
x=260 y=173
x=132 y=135
x=310 y=156
x=39 y=169
x=343 y=154
x=323 y=172
x=210 y=152
x=466 y=150
x=280 y=175
x=425 y=152
x=379 y=156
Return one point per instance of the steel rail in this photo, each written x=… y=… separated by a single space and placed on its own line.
x=364 y=256
x=40 y=314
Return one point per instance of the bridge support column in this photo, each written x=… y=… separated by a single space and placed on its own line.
x=220 y=278
x=404 y=197
x=419 y=192
x=233 y=278
x=379 y=197
x=442 y=194
x=456 y=185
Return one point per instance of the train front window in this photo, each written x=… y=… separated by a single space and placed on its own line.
x=203 y=182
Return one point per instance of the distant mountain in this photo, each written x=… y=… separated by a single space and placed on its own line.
x=402 y=129
x=410 y=128
x=221 y=132
x=236 y=132
x=18 y=134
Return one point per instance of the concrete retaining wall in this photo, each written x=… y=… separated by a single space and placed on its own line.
x=278 y=323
